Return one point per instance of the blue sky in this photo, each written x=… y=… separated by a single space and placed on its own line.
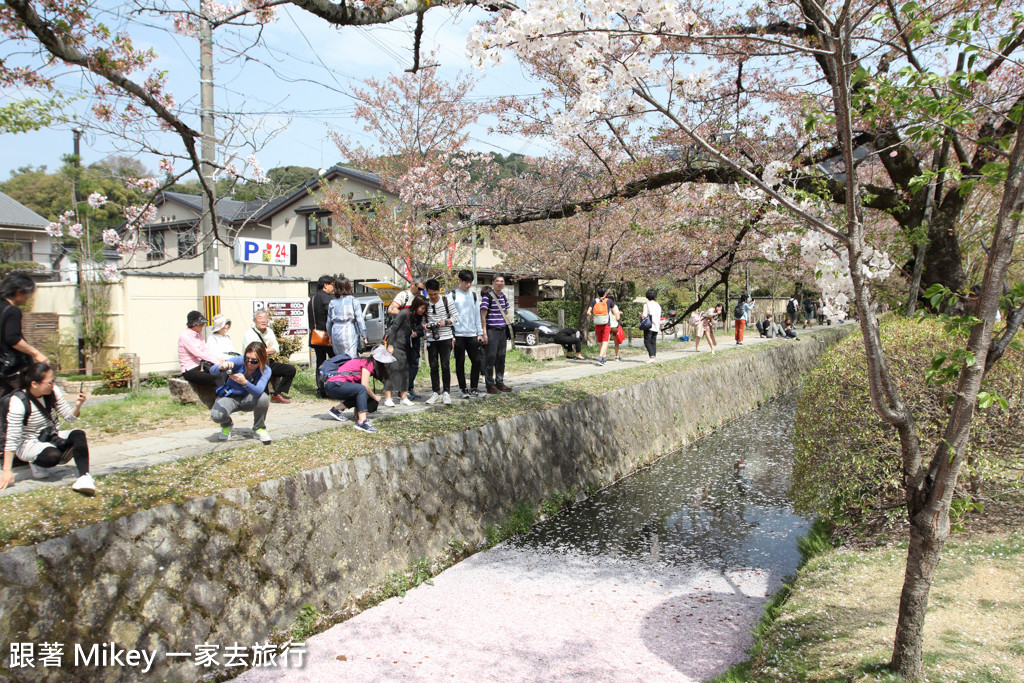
x=288 y=98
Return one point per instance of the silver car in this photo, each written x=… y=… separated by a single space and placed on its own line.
x=373 y=316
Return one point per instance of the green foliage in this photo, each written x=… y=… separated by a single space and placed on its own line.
x=519 y=521
x=305 y=623
x=548 y=310
x=29 y=114
x=61 y=347
x=94 y=326
x=156 y=380
x=847 y=467
x=117 y=374
x=286 y=344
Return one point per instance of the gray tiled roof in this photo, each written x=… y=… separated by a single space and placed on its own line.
x=16 y=215
x=232 y=211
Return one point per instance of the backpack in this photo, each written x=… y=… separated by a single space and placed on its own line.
x=5 y=406
x=327 y=369
x=791 y=308
x=600 y=311
x=737 y=312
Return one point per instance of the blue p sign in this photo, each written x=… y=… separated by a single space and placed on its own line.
x=251 y=248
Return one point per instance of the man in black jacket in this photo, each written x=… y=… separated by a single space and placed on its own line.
x=318 y=304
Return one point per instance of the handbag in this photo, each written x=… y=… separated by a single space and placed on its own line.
x=646 y=323
x=319 y=338
x=620 y=335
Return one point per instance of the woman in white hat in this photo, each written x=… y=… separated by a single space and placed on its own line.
x=351 y=385
x=219 y=342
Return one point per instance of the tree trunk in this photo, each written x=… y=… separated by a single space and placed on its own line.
x=928 y=534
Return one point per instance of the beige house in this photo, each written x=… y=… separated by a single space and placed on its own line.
x=292 y=218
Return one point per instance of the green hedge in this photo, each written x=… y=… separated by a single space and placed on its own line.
x=847 y=466
x=548 y=310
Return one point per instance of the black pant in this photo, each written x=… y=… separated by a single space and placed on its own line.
x=440 y=351
x=414 y=359
x=50 y=457
x=198 y=376
x=322 y=354
x=471 y=346
x=651 y=342
x=286 y=371
x=494 y=365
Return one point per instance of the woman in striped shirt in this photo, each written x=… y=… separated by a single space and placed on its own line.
x=35 y=412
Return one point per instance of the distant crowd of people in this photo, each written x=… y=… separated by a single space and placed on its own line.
x=461 y=323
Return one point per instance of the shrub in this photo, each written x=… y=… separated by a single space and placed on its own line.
x=847 y=466
x=117 y=374
x=156 y=380
x=286 y=344
x=548 y=310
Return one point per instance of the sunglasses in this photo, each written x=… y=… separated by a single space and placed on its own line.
x=252 y=361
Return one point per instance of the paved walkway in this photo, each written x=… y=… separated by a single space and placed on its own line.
x=298 y=419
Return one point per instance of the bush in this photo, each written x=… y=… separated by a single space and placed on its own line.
x=117 y=374
x=548 y=310
x=156 y=380
x=286 y=344
x=847 y=466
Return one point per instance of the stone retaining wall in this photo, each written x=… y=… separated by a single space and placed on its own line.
x=228 y=568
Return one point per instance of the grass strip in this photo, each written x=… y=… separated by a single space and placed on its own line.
x=37 y=515
x=837 y=621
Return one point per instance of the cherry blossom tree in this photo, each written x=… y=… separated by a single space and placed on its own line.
x=885 y=102
x=419 y=128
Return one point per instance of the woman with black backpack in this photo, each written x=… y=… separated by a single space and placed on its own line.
x=15 y=352
x=32 y=417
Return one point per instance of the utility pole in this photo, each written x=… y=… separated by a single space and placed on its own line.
x=474 y=254
x=208 y=151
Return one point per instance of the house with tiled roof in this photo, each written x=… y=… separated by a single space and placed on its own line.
x=23 y=231
x=294 y=217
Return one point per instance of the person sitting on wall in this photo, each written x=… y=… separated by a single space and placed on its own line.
x=788 y=330
x=194 y=355
x=244 y=389
x=285 y=372
x=571 y=340
x=219 y=341
x=350 y=383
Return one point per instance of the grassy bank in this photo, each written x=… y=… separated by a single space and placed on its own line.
x=837 y=622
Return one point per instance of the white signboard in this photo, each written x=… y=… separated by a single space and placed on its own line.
x=294 y=310
x=265 y=252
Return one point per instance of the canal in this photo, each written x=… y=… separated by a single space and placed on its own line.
x=660 y=576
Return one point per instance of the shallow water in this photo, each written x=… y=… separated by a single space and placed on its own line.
x=694 y=507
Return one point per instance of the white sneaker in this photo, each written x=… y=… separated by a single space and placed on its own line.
x=407 y=402
x=446 y=399
x=434 y=398
x=39 y=472
x=388 y=403
x=85 y=485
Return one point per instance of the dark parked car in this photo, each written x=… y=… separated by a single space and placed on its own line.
x=529 y=329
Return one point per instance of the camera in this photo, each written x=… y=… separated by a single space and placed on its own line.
x=433 y=327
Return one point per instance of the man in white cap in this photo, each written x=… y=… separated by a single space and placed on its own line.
x=350 y=383
x=194 y=356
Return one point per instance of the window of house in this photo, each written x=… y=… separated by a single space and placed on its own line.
x=157 y=247
x=317 y=228
x=187 y=244
x=23 y=252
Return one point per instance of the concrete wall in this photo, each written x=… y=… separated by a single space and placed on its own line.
x=229 y=567
x=148 y=312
